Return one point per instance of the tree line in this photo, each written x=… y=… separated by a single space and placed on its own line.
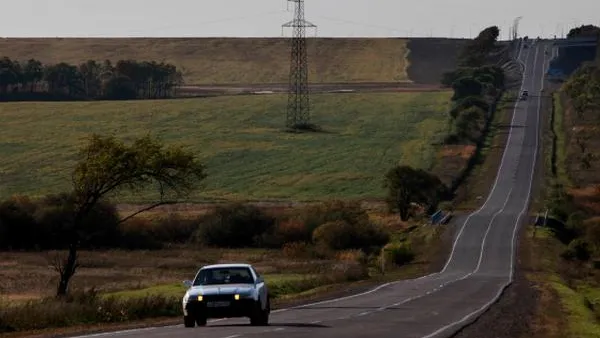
x=90 y=80
x=574 y=223
x=477 y=83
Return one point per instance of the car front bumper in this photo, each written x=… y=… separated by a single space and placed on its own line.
x=221 y=308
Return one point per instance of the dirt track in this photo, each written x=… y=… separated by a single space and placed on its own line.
x=278 y=88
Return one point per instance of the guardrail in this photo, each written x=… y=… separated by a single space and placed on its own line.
x=440 y=217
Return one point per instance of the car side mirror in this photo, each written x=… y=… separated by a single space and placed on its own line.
x=187 y=283
x=260 y=280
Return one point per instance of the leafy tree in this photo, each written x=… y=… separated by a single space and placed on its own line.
x=477 y=50
x=128 y=79
x=584 y=31
x=90 y=74
x=64 y=79
x=33 y=73
x=465 y=87
x=466 y=103
x=469 y=122
x=407 y=185
x=108 y=166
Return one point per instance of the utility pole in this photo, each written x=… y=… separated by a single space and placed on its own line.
x=515 y=29
x=298 y=106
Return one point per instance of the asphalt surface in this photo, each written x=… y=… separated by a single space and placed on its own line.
x=478 y=269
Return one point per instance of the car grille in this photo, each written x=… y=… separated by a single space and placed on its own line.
x=217 y=298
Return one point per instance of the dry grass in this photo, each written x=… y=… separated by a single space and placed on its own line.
x=30 y=276
x=230 y=60
x=540 y=254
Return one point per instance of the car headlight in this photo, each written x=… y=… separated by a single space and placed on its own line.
x=200 y=298
x=239 y=296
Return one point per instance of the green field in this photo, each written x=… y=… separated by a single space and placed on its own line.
x=239 y=138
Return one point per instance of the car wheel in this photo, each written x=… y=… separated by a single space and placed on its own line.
x=189 y=321
x=201 y=321
x=260 y=317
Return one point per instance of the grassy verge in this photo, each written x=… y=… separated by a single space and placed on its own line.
x=569 y=302
x=567 y=307
x=559 y=146
x=240 y=140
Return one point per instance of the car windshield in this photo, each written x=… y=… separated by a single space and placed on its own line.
x=215 y=276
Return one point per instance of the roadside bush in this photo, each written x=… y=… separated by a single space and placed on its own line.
x=340 y=235
x=42 y=224
x=287 y=230
x=592 y=233
x=235 y=226
x=86 y=308
x=578 y=249
x=174 y=228
x=399 y=254
x=54 y=218
x=17 y=225
x=332 y=211
x=137 y=234
x=297 y=250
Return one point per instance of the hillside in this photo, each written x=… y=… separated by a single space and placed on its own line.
x=256 y=60
x=239 y=139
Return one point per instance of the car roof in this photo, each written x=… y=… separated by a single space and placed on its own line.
x=232 y=265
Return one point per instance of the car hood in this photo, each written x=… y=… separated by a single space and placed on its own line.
x=228 y=289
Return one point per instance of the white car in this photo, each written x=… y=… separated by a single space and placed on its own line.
x=226 y=291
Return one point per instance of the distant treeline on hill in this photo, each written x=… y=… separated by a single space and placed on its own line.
x=91 y=80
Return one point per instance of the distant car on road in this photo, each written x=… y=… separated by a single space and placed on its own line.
x=524 y=95
x=226 y=291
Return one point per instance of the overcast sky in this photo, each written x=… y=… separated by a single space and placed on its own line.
x=351 y=18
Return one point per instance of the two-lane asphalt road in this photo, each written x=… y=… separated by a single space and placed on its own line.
x=479 y=267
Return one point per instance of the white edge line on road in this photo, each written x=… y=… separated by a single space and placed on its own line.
x=115 y=333
x=491 y=193
x=516 y=226
x=462 y=277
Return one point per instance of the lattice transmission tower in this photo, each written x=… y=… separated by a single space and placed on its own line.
x=298 y=106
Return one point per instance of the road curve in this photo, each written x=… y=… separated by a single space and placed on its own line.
x=479 y=268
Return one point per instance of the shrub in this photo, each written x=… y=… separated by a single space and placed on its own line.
x=44 y=224
x=17 y=226
x=297 y=250
x=340 y=235
x=399 y=254
x=86 y=308
x=287 y=230
x=235 y=226
x=54 y=217
x=578 y=249
x=592 y=229
x=174 y=228
x=137 y=234
x=349 y=212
